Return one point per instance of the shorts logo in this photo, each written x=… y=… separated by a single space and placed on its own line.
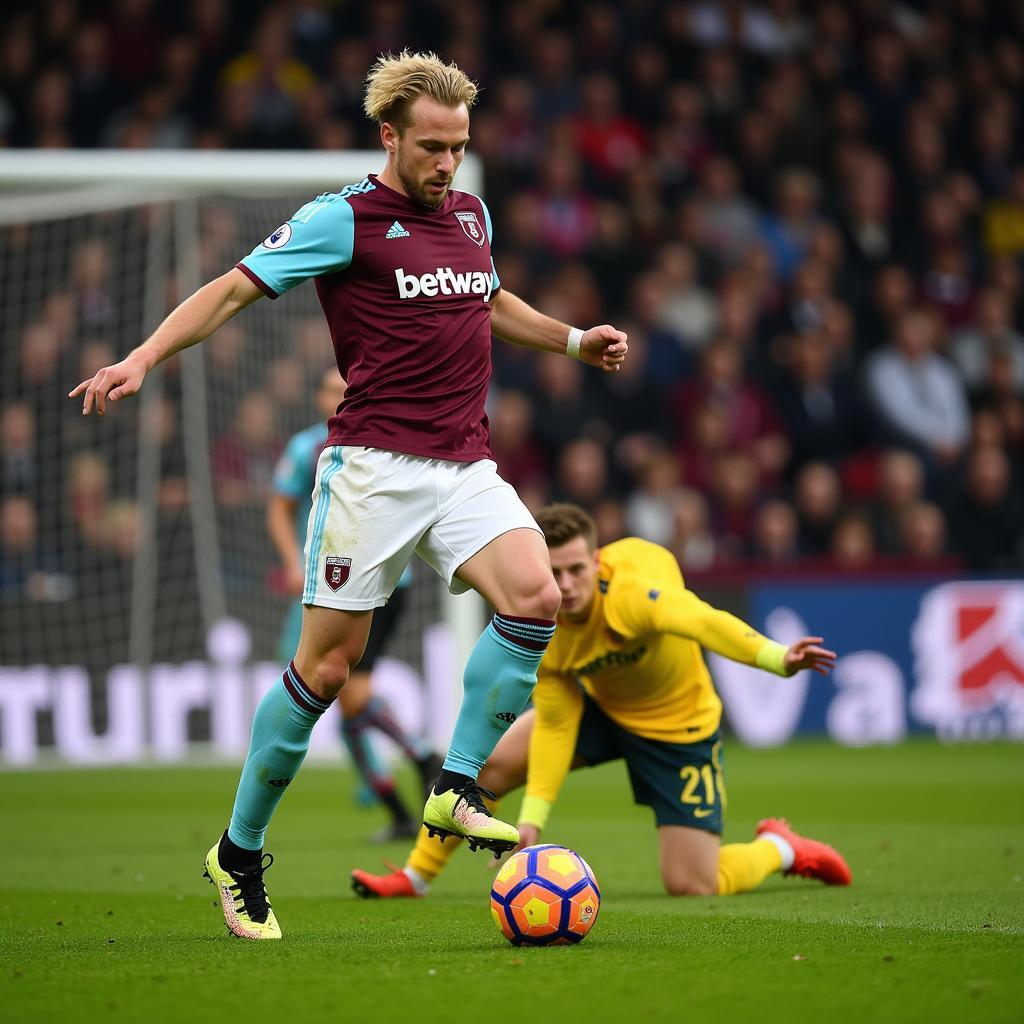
x=336 y=571
x=506 y=716
x=281 y=237
x=278 y=783
x=471 y=226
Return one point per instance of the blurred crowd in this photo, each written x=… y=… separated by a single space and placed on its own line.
x=808 y=216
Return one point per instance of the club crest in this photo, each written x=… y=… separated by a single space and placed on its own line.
x=336 y=571
x=471 y=226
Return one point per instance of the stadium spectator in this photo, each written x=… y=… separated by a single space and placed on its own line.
x=1004 y=219
x=986 y=520
x=581 y=473
x=735 y=491
x=900 y=488
x=243 y=458
x=520 y=459
x=918 y=396
x=989 y=338
x=790 y=225
x=28 y=571
x=650 y=508
x=752 y=422
x=817 y=498
x=923 y=536
x=692 y=540
x=19 y=456
x=689 y=311
x=853 y=542
x=818 y=404
x=775 y=539
x=728 y=221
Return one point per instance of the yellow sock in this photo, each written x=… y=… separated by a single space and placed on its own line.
x=744 y=866
x=429 y=856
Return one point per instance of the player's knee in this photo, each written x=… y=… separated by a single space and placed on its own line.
x=330 y=674
x=541 y=601
x=689 y=885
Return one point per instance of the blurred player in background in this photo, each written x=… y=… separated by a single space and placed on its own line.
x=287 y=515
x=403 y=270
x=624 y=678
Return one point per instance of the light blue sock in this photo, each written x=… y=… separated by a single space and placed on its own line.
x=500 y=676
x=280 y=739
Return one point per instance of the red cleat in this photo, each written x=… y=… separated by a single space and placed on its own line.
x=386 y=887
x=811 y=859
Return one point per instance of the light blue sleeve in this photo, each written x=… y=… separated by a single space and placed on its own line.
x=495 y=281
x=292 y=477
x=317 y=240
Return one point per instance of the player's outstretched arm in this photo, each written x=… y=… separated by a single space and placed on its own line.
x=682 y=613
x=192 y=321
x=518 y=322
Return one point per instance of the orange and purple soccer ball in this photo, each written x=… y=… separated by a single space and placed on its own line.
x=545 y=896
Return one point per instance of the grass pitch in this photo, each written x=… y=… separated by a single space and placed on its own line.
x=104 y=915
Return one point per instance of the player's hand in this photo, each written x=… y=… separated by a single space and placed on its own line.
x=295 y=580
x=806 y=653
x=603 y=347
x=529 y=835
x=111 y=382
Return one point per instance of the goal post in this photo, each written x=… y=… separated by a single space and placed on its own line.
x=130 y=541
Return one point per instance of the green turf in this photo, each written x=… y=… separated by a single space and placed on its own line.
x=104 y=915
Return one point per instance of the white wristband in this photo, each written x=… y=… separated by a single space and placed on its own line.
x=572 y=346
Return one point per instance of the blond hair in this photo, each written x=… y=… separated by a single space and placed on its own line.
x=394 y=83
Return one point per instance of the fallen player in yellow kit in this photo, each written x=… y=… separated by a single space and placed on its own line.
x=624 y=677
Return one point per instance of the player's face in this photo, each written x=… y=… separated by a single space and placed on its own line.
x=575 y=568
x=428 y=153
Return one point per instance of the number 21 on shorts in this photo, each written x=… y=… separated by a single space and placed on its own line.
x=700 y=784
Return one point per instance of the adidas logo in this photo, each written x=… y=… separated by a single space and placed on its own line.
x=397 y=231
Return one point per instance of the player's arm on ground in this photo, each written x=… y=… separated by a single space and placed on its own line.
x=679 y=611
x=558 y=707
x=516 y=321
x=191 y=322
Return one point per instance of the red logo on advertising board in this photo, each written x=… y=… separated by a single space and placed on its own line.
x=969 y=653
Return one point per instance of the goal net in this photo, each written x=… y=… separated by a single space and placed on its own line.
x=141 y=601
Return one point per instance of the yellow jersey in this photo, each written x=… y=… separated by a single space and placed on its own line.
x=638 y=655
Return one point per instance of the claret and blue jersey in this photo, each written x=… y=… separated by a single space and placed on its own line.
x=406 y=292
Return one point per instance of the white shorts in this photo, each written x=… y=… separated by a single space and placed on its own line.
x=373 y=509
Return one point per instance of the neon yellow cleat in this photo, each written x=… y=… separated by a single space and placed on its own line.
x=243 y=898
x=463 y=813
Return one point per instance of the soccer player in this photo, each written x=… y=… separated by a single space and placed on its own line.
x=403 y=269
x=287 y=515
x=624 y=678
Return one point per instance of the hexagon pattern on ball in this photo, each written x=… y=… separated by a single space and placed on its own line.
x=545 y=896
